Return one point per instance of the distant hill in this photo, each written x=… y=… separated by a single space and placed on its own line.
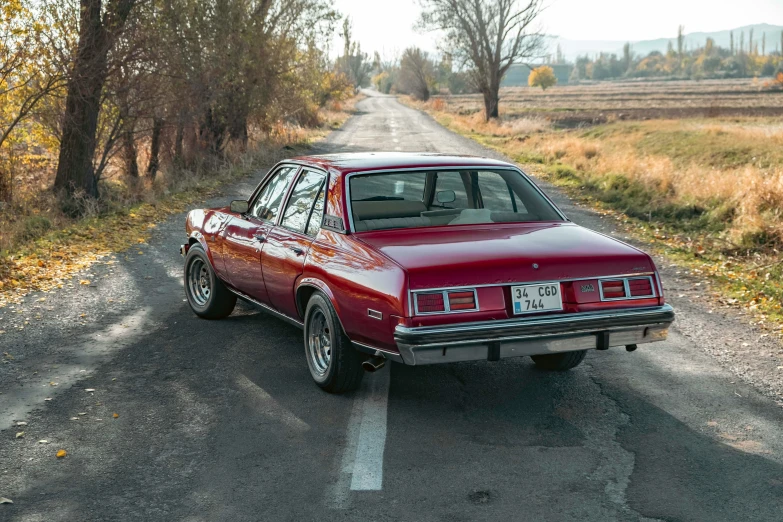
x=574 y=48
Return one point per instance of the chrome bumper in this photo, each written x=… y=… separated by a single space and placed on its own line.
x=494 y=340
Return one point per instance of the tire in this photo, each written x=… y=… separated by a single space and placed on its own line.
x=334 y=364
x=559 y=362
x=207 y=295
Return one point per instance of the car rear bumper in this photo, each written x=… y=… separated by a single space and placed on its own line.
x=494 y=340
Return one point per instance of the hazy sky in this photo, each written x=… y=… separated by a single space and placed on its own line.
x=386 y=25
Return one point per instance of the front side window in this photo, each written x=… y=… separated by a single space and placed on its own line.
x=267 y=205
x=442 y=198
x=302 y=200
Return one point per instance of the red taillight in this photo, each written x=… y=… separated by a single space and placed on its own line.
x=613 y=289
x=462 y=301
x=429 y=303
x=640 y=287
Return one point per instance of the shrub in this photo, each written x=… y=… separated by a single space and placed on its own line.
x=543 y=77
x=34 y=227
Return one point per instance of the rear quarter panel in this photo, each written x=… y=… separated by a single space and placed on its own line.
x=359 y=278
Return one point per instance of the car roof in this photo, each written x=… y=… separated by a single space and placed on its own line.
x=346 y=163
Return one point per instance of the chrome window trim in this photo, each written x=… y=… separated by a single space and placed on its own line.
x=628 y=296
x=446 y=306
x=348 y=177
x=265 y=181
x=299 y=173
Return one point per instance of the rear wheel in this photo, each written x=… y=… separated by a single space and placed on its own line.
x=559 y=362
x=207 y=295
x=334 y=364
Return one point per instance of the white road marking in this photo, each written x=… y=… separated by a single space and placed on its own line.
x=361 y=466
x=368 y=464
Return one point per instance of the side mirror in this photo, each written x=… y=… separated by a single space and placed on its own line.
x=446 y=196
x=240 y=206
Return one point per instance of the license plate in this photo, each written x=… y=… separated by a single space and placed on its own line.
x=530 y=299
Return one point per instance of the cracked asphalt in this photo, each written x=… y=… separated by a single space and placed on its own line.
x=219 y=420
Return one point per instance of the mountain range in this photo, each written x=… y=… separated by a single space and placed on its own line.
x=573 y=48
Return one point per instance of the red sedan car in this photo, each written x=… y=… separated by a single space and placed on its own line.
x=420 y=259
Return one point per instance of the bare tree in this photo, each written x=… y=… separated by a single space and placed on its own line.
x=417 y=73
x=488 y=36
x=98 y=30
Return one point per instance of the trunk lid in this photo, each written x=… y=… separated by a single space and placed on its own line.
x=473 y=255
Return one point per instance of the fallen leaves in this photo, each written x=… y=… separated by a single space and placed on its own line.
x=84 y=282
x=61 y=453
x=116 y=415
x=20 y=435
x=4 y=500
x=89 y=390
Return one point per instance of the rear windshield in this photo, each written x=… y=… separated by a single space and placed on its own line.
x=454 y=197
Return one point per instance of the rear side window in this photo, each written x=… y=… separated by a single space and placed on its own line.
x=267 y=205
x=302 y=200
x=317 y=215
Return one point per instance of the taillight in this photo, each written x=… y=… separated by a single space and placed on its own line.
x=613 y=289
x=445 y=301
x=430 y=303
x=641 y=287
x=462 y=301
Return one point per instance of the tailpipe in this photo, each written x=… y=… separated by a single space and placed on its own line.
x=373 y=364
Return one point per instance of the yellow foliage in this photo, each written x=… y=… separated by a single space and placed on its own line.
x=543 y=77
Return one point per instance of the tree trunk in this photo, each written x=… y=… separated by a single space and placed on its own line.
x=491 y=102
x=129 y=154
x=179 y=138
x=152 y=166
x=83 y=101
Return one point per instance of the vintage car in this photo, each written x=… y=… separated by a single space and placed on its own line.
x=420 y=259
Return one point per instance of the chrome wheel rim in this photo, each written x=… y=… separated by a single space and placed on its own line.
x=199 y=282
x=319 y=342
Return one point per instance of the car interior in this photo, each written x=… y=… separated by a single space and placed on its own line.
x=440 y=198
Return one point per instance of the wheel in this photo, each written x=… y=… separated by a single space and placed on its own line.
x=207 y=295
x=559 y=362
x=334 y=363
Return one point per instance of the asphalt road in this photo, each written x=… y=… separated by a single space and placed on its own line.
x=220 y=420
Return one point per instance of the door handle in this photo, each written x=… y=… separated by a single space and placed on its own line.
x=298 y=251
x=260 y=238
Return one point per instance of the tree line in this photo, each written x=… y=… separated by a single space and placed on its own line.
x=744 y=58
x=88 y=86
x=131 y=87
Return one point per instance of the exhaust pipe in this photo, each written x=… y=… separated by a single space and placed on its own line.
x=373 y=364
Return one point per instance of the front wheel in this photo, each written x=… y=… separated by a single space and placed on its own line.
x=207 y=295
x=559 y=362
x=334 y=364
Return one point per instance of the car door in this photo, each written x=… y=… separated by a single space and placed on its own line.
x=245 y=235
x=288 y=243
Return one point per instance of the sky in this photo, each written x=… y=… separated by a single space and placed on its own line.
x=386 y=26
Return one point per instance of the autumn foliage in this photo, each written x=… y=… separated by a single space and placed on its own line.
x=543 y=77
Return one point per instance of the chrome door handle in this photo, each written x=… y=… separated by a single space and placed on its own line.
x=260 y=238
x=298 y=251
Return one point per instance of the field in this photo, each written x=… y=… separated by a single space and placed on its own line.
x=695 y=167
x=569 y=106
